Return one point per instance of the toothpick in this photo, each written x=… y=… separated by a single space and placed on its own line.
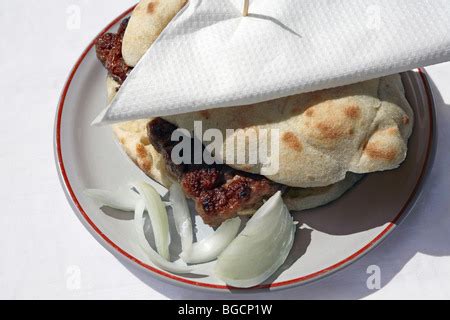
x=246 y=5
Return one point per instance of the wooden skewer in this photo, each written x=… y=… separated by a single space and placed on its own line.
x=246 y=5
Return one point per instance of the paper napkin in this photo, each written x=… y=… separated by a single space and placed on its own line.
x=210 y=56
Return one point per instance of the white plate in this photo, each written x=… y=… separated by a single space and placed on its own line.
x=335 y=235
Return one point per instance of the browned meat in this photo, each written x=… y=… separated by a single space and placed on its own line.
x=219 y=192
x=109 y=51
x=224 y=201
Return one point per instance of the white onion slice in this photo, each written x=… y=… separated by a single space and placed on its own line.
x=160 y=189
x=209 y=248
x=152 y=254
x=158 y=216
x=182 y=217
x=260 y=249
x=123 y=199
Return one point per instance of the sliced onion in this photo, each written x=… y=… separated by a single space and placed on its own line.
x=209 y=248
x=182 y=217
x=152 y=254
x=122 y=199
x=161 y=190
x=158 y=216
x=260 y=249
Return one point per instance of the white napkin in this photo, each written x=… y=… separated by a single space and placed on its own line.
x=211 y=56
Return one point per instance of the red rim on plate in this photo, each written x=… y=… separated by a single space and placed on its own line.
x=169 y=276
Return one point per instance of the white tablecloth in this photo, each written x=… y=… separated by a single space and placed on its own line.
x=47 y=253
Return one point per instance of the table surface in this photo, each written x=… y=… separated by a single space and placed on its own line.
x=47 y=253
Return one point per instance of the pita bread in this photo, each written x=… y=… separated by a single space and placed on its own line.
x=298 y=199
x=132 y=136
x=147 y=21
x=359 y=128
